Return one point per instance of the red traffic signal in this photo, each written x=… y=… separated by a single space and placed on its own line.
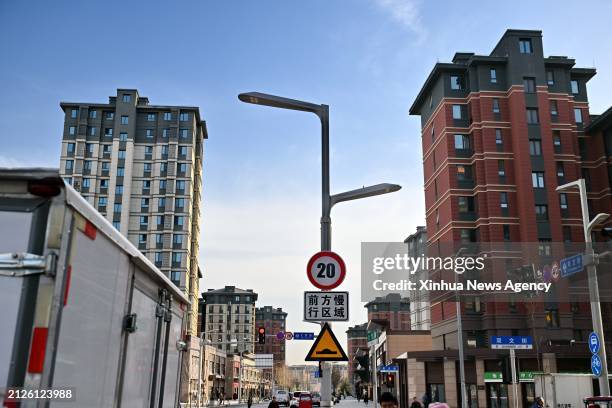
x=390 y=380
x=261 y=332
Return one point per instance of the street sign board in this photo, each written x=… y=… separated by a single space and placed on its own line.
x=596 y=365
x=326 y=306
x=511 y=342
x=388 y=369
x=594 y=343
x=280 y=335
x=303 y=336
x=326 y=270
x=372 y=338
x=571 y=265
x=326 y=347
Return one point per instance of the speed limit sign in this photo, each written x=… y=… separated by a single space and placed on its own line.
x=326 y=270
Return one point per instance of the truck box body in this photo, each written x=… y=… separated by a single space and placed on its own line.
x=561 y=390
x=81 y=306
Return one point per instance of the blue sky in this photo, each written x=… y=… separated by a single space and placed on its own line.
x=365 y=58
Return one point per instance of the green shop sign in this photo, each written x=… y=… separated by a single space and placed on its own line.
x=493 y=377
x=527 y=376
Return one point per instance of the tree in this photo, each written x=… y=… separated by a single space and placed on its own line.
x=335 y=377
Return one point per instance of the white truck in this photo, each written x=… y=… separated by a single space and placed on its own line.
x=81 y=309
x=561 y=390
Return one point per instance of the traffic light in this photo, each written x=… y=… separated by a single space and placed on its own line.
x=390 y=380
x=261 y=335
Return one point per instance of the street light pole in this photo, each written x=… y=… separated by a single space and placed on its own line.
x=588 y=225
x=327 y=201
x=460 y=339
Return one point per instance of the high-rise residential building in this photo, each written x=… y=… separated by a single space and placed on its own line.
x=391 y=311
x=229 y=318
x=357 y=345
x=419 y=299
x=499 y=133
x=273 y=320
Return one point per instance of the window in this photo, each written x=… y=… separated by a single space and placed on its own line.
x=159 y=239
x=529 y=85
x=550 y=78
x=117 y=207
x=456 y=82
x=92 y=131
x=105 y=166
x=506 y=229
x=110 y=115
x=560 y=170
x=74 y=113
x=148 y=150
x=102 y=201
x=119 y=189
x=457 y=112
x=175 y=277
x=537 y=179
x=89 y=147
x=541 y=212
x=179 y=203
x=123 y=137
x=121 y=154
x=160 y=220
x=498 y=137
x=165 y=133
x=72 y=130
x=93 y=114
x=176 y=257
x=184 y=133
x=167 y=115
x=70 y=148
x=106 y=149
x=182 y=150
x=184 y=116
x=180 y=184
x=164 y=150
x=163 y=167
x=182 y=167
x=557 y=141
x=465 y=204
x=158 y=257
x=525 y=46
x=503 y=199
x=125 y=120
x=433 y=133
x=162 y=184
x=104 y=183
x=144 y=220
x=126 y=98
x=108 y=132
x=501 y=168
x=532 y=116
x=86 y=182
x=462 y=142
x=554 y=110
x=149 y=133
x=87 y=165
x=147 y=167
x=116 y=224
x=144 y=202
x=563 y=201
x=179 y=220
x=493 y=75
x=567 y=234
x=578 y=115
x=430 y=101
x=464 y=172
x=177 y=239
x=467 y=235
x=142 y=238
x=120 y=171
x=496 y=105
x=146 y=184
x=574 y=87
x=535 y=147
x=150 y=117
x=161 y=202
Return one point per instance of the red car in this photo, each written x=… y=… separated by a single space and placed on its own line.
x=305 y=400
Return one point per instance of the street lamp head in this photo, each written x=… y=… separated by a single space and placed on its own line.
x=599 y=219
x=370 y=191
x=258 y=98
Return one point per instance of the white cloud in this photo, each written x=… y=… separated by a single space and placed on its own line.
x=407 y=13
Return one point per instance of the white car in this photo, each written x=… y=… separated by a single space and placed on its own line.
x=283 y=397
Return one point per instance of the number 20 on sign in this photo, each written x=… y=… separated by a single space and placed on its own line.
x=326 y=270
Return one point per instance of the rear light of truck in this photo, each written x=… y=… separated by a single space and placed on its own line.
x=37 y=350
x=44 y=188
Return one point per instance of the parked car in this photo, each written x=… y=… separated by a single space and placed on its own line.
x=316 y=399
x=305 y=400
x=283 y=397
x=295 y=400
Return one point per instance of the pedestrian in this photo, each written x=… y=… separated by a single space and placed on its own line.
x=388 y=400
x=221 y=397
x=273 y=403
x=416 y=403
x=425 y=400
x=365 y=398
x=358 y=395
x=250 y=400
x=538 y=403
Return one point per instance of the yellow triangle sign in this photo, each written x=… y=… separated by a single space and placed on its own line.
x=326 y=347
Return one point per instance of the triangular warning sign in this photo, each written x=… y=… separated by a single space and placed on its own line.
x=326 y=347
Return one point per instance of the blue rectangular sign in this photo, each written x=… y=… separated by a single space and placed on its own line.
x=571 y=265
x=303 y=336
x=511 y=342
x=388 y=369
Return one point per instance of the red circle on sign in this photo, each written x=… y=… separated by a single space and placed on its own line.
x=341 y=272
